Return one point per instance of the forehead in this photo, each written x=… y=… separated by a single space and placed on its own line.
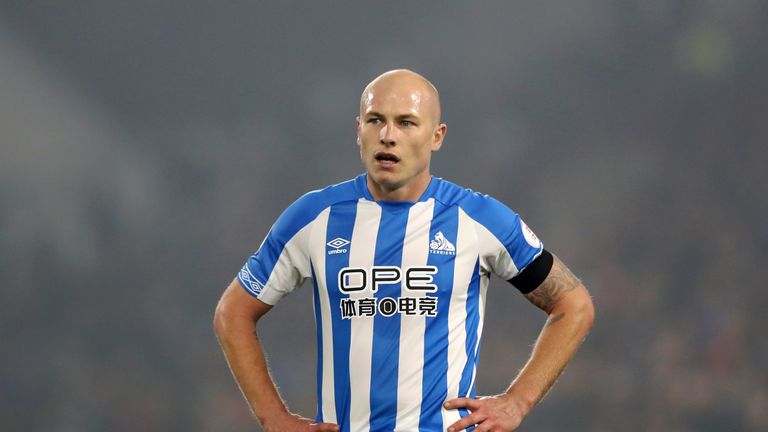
x=395 y=98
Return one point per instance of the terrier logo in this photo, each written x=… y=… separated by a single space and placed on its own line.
x=441 y=246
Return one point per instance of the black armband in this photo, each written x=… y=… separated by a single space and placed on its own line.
x=534 y=274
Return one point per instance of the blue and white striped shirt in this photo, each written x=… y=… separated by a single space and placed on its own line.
x=399 y=290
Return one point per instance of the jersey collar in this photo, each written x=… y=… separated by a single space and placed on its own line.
x=361 y=182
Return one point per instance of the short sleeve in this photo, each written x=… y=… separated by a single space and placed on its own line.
x=507 y=244
x=281 y=264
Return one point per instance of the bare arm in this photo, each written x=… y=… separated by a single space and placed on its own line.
x=570 y=315
x=235 y=324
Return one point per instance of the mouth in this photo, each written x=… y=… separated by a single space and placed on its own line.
x=386 y=158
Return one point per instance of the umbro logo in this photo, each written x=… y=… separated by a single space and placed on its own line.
x=441 y=246
x=250 y=280
x=338 y=246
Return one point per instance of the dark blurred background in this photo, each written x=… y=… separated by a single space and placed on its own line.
x=146 y=148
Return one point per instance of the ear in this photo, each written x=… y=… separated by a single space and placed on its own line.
x=357 y=129
x=439 y=134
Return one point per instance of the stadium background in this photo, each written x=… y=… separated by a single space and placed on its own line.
x=146 y=148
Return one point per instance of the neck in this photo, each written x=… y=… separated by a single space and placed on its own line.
x=409 y=192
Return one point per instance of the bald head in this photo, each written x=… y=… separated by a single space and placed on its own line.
x=403 y=83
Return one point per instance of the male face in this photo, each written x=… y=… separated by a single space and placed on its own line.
x=398 y=130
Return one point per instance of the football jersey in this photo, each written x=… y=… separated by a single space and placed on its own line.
x=399 y=295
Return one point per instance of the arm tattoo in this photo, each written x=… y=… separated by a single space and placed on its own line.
x=559 y=281
x=554 y=319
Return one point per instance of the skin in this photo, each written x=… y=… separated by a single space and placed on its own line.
x=400 y=120
x=399 y=116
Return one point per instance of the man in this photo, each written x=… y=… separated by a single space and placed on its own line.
x=400 y=263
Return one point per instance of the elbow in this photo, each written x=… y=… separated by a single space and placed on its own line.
x=219 y=320
x=579 y=306
x=222 y=319
x=589 y=313
x=586 y=310
x=236 y=314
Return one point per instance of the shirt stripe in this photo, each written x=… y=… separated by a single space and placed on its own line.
x=434 y=389
x=466 y=256
x=466 y=387
x=386 y=329
x=484 y=281
x=361 y=254
x=415 y=254
x=325 y=366
x=340 y=224
x=319 y=335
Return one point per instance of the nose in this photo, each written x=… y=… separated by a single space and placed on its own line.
x=387 y=135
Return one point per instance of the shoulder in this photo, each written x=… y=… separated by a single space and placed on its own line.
x=486 y=211
x=305 y=209
x=475 y=204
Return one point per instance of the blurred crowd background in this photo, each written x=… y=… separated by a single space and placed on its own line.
x=146 y=148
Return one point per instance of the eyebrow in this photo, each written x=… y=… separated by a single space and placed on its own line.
x=399 y=116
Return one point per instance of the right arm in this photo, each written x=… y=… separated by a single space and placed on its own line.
x=235 y=324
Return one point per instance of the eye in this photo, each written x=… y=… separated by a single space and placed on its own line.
x=407 y=123
x=374 y=120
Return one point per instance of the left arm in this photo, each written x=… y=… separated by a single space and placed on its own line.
x=570 y=315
